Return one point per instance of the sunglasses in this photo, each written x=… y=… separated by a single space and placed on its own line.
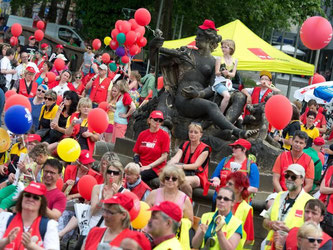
x=220 y=197
x=40 y=90
x=113 y=172
x=168 y=178
x=35 y=197
x=78 y=77
x=108 y=212
x=89 y=48
x=312 y=240
x=158 y=120
x=67 y=98
x=292 y=177
x=48 y=99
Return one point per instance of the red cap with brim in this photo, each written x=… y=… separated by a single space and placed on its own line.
x=36 y=188
x=59 y=46
x=33 y=137
x=242 y=142
x=86 y=157
x=319 y=141
x=44 y=45
x=31 y=37
x=30 y=69
x=156 y=114
x=123 y=200
x=208 y=24
x=170 y=209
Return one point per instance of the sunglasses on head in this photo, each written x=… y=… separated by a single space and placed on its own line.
x=34 y=196
x=312 y=240
x=48 y=99
x=220 y=197
x=158 y=120
x=40 y=90
x=168 y=178
x=113 y=172
x=291 y=176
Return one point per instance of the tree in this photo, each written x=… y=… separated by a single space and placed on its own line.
x=52 y=15
x=63 y=19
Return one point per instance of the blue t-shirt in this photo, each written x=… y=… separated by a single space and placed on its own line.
x=253 y=175
x=35 y=112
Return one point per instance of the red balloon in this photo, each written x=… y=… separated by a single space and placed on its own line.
x=142 y=42
x=86 y=185
x=17 y=99
x=96 y=44
x=134 y=24
x=114 y=33
x=160 y=83
x=106 y=58
x=114 y=44
x=60 y=184
x=316 y=32
x=118 y=24
x=39 y=35
x=9 y=93
x=98 y=120
x=278 y=111
x=50 y=77
x=16 y=29
x=13 y=41
x=141 y=30
x=124 y=59
x=40 y=25
x=134 y=212
x=317 y=78
x=142 y=16
x=59 y=64
x=59 y=99
x=124 y=27
x=130 y=38
x=134 y=50
x=104 y=106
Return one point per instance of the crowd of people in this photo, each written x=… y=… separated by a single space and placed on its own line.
x=39 y=192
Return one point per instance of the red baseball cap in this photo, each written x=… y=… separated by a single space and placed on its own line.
x=36 y=188
x=169 y=208
x=123 y=200
x=33 y=137
x=30 y=69
x=208 y=24
x=319 y=141
x=156 y=114
x=141 y=239
x=242 y=142
x=59 y=46
x=86 y=157
x=44 y=45
x=31 y=37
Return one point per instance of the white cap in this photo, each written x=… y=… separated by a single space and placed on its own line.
x=297 y=169
x=103 y=67
x=61 y=56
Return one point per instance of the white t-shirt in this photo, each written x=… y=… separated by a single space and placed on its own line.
x=5 y=65
x=51 y=238
x=60 y=90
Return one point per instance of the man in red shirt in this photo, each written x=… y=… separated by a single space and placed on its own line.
x=320 y=120
x=56 y=200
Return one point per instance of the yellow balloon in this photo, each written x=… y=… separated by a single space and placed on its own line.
x=144 y=216
x=4 y=140
x=69 y=150
x=107 y=40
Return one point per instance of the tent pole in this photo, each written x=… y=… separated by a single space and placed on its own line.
x=317 y=59
x=295 y=53
x=159 y=15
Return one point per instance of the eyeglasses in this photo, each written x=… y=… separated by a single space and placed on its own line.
x=168 y=178
x=67 y=98
x=40 y=90
x=48 y=99
x=312 y=240
x=113 y=172
x=292 y=177
x=108 y=212
x=220 y=197
x=35 y=197
x=89 y=48
x=158 y=120
x=46 y=172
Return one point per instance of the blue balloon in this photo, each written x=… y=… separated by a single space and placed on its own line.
x=18 y=119
x=120 y=51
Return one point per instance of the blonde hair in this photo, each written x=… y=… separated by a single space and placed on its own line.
x=194 y=126
x=175 y=171
x=123 y=86
x=136 y=75
x=132 y=168
x=84 y=101
x=307 y=229
x=231 y=44
x=116 y=164
x=127 y=220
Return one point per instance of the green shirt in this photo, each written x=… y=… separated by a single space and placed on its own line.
x=148 y=82
x=317 y=164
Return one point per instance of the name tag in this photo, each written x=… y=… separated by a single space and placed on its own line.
x=150 y=144
x=299 y=213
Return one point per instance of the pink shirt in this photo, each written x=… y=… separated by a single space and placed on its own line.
x=56 y=199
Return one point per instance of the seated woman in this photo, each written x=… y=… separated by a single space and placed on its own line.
x=29 y=227
x=152 y=148
x=134 y=183
x=220 y=229
x=309 y=236
x=63 y=84
x=239 y=183
x=171 y=178
x=77 y=126
x=193 y=157
x=40 y=77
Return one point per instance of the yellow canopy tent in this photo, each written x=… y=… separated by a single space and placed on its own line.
x=253 y=53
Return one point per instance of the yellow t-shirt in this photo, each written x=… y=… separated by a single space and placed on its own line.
x=48 y=115
x=312 y=132
x=15 y=150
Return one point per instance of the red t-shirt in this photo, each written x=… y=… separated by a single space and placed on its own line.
x=323 y=197
x=150 y=146
x=248 y=225
x=56 y=199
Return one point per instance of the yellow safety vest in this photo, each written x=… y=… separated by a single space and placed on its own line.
x=171 y=244
x=229 y=228
x=294 y=218
x=241 y=213
x=184 y=236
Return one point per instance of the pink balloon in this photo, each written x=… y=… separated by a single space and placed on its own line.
x=316 y=32
x=106 y=58
x=96 y=44
x=86 y=185
x=114 y=33
x=113 y=44
x=134 y=24
x=142 y=16
x=130 y=38
x=50 y=77
x=124 y=59
x=18 y=99
x=118 y=24
x=9 y=93
x=124 y=27
x=98 y=120
x=142 y=42
x=13 y=41
x=278 y=111
x=16 y=29
x=134 y=50
x=317 y=78
x=39 y=35
x=59 y=64
x=140 y=29
x=40 y=25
